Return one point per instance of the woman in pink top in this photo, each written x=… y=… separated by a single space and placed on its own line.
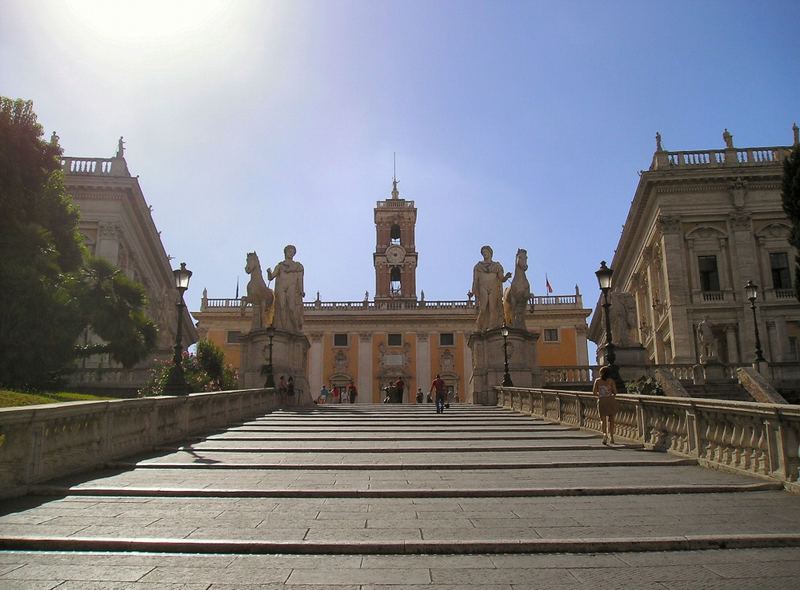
x=606 y=391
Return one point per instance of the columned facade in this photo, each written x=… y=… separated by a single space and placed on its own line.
x=702 y=224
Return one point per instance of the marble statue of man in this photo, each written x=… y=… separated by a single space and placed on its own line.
x=487 y=287
x=707 y=341
x=289 y=292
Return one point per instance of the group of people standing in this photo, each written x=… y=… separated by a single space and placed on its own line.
x=338 y=395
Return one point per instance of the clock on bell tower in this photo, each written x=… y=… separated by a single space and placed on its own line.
x=395 y=256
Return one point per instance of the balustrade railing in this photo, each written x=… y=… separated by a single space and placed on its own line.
x=39 y=443
x=757 y=439
x=94 y=166
x=209 y=304
x=752 y=156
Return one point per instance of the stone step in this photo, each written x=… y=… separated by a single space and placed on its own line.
x=450 y=492
x=404 y=547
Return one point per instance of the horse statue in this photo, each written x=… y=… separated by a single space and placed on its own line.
x=258 y=295
x=517 y=295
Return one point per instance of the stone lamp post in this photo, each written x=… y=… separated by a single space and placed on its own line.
x=751 y=291
x=604 y=275
x=176 y=384
x=506 y=376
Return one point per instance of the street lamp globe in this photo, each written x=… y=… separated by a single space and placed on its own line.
x=751 y=289
x=604 y=276
x=182 y=276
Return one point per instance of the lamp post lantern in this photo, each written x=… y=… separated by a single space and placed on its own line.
x=270 y=374
x=506 y=376
x=176 y=384
x=604 y=275
x=751 y=291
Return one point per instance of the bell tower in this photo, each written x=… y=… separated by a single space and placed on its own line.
x=395 y=256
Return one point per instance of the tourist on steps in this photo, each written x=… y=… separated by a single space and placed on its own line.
x=440 y=389
x=605 y=388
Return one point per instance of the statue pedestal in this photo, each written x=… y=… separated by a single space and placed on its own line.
x=631 y=360
x=289 y=358
x=709 y=370
x=488 y=363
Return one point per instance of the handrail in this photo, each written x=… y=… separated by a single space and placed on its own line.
x=751 y=438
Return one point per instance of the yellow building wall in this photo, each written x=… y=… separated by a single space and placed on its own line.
x=561 y=353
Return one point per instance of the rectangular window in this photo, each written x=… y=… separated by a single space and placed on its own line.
x=709 y=277
x=395 y=340
x=551 y=335
x=447 y=339
x=793 y=348
x=234 y=336
x=340 y=339
x=781 y=276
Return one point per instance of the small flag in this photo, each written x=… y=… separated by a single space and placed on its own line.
x=547 y=284
x=237 y=287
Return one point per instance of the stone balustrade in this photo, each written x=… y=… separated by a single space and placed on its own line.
x=38 y=443
x=751 y=156
x=571 y=301
x=757 y=439
x=94 y=166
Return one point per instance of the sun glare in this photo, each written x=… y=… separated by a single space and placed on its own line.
x=146 y=20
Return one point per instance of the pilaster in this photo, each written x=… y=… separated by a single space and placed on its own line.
x=364 y=368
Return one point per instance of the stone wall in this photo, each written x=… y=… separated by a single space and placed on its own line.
x=753 y=438
x=39 y=443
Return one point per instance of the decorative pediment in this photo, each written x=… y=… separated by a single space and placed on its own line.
x=706 y=232
x=775 y=230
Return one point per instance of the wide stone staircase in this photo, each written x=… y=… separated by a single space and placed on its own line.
x=396 y=496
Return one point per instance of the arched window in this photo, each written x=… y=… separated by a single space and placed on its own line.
x=394 y=278
x=394 y=234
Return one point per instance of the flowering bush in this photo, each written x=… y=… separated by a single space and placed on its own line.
x=204 y=371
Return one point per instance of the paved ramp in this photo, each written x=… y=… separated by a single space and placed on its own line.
x=389 y=496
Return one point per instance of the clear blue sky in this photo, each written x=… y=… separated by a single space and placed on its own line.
x=516 y=124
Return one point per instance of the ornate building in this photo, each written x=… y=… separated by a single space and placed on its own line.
x=399 y=334
x=117 y=225
x=701 y=225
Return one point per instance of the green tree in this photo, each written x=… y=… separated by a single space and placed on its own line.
x=50 y=290
x=791 y=205
x=112 y=306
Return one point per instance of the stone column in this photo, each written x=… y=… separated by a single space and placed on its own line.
x=108 y=237
x=676 y=290
x=424 y=377
x=466 y=394
x=781 y=352
x=315 y=376
x=364 y=368
x=733 y=349
x=743 y=250
x=694 y=273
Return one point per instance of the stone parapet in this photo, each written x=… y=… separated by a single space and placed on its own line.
x=38 y=443
x=752 y=438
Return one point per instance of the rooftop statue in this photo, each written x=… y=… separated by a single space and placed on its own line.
x=518 y=293
x=289 y=292
x=487 y=287
x=727 y=138
x=120 y=148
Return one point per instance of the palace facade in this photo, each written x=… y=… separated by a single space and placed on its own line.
x=117 y=224
x=397 y=334
x=702 y=224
